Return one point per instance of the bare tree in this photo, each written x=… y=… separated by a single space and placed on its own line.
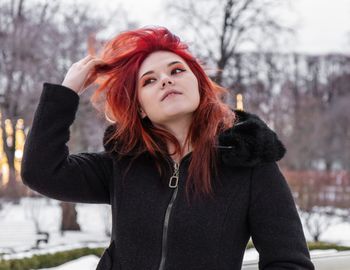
x=39 y=41
x=69 y=217
x=20 y=39
x=224 y=28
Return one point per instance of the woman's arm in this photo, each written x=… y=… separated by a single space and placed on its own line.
x=47 y=166
x=274 y=222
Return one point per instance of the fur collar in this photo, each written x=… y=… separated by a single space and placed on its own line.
x=249 y=142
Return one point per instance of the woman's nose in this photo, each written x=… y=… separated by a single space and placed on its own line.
x=166 y=81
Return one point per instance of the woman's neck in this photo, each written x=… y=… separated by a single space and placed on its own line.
x=176 y=157
x=179 y=128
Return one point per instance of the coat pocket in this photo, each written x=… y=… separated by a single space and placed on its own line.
x=106 y=260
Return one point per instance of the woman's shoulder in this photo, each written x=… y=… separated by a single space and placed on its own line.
x=111 y=145
x=250 y=141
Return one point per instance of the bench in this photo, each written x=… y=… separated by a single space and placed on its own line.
x=20 y=236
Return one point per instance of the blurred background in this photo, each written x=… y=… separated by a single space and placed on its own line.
x=286 y=61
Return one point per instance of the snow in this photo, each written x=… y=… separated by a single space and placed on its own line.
x=339 y=233
x=87 y=262
x=94 y=220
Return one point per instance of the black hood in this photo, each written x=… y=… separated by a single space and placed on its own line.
x=249 y=142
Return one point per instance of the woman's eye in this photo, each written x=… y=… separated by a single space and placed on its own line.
x=147 y=81
x=181 y=70
x=172 y=72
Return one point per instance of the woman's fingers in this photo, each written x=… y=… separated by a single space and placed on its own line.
x=89 y=67
x=79 y=74
x=88 y=59
x=89 y=80
x=94 y=62
x=85 y=59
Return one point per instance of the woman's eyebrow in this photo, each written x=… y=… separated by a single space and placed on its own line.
x=170 y=64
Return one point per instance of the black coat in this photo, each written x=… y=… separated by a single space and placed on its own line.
x=153 y=227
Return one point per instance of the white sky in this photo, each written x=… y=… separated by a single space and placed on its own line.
x=323 y=25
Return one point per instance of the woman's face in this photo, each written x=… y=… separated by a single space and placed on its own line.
x=160 y=72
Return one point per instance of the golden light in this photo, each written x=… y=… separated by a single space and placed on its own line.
x=20 y=137
x=239 y=102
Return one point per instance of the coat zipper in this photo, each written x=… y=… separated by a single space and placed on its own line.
x=173 y=183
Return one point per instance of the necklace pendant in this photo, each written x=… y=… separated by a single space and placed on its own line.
x=173 y=181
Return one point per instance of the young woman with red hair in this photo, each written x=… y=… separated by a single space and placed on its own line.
x=189 y=179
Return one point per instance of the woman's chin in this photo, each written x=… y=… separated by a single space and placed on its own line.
x=171 y=115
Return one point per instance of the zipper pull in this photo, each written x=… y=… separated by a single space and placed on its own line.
x=175 y=178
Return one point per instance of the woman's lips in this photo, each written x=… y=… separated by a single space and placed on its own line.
x=171 y=95
x=170 y=91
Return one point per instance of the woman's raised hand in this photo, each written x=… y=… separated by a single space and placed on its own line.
x=78 y=76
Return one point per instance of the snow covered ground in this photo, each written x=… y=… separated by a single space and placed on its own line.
x=87 y=262
x=94 y=219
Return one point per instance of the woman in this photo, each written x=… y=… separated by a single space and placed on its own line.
x=188 y=179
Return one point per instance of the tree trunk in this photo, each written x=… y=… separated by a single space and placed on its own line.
x=69 y=217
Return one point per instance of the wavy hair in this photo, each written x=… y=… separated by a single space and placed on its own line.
x=123 y=56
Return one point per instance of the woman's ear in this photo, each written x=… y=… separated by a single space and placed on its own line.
x=142 y=113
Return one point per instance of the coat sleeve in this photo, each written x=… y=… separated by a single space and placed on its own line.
x=48 y=168
x=274 y=222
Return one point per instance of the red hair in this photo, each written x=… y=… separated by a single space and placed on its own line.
x=123 y=56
